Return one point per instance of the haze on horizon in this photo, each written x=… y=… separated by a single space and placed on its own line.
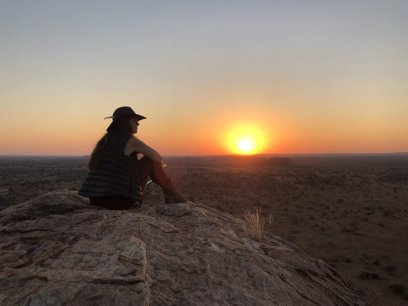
x=313 y=77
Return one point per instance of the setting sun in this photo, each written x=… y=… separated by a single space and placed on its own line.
x=246 y=140
x=245 y=145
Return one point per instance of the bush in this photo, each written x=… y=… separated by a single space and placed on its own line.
x=257 y=223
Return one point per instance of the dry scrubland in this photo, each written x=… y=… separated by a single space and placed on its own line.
x=350 y=211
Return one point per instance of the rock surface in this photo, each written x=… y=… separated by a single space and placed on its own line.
x=58 y=250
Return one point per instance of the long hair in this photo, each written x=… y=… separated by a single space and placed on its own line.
x=108 y=140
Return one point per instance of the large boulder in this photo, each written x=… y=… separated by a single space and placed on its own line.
x=59 y=250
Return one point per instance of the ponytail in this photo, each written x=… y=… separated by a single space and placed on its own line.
x=108 y=140
x=96 y=154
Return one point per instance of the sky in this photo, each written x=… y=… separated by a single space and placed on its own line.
x=309 y=76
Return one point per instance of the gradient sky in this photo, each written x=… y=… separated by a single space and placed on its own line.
x=314 y=76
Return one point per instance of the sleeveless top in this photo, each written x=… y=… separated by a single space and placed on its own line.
x=116 y=174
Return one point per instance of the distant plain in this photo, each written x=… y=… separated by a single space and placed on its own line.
x=349 y=210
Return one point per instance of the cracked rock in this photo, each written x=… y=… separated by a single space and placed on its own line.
x=59 y=250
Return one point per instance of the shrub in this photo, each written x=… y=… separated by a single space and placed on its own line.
x=257 y=223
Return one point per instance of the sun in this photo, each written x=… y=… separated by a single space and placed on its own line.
x=245 y=145
x=245 y=140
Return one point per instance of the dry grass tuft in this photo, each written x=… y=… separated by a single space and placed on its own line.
x=257 y=223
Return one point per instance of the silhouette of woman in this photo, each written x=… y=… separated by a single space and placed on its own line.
x=116 y=177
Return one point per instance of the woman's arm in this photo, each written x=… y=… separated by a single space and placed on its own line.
x=138 y=146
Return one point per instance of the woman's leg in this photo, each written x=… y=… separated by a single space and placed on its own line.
x=154 y=170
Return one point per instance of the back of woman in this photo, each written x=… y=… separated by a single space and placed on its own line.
x=112 y=173
x=117 y=180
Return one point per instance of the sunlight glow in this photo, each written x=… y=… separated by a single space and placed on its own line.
x=245 y=145
x=245 y=139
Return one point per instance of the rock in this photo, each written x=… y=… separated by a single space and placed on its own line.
x=59 y=250
x=368 y=275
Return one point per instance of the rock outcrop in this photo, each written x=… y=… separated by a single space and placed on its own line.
x=59 y=250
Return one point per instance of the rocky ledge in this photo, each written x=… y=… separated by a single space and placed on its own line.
x=59 y=250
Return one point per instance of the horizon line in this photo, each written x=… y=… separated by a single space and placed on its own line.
x=220 y=155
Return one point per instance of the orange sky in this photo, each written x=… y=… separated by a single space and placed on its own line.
x=321 y=78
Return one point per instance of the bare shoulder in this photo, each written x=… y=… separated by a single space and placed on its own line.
x=134 y=141
x=133 y=144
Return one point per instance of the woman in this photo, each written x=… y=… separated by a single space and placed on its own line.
x=117 y=178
